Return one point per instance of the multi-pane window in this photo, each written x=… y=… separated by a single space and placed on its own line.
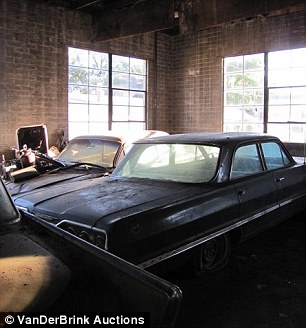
x=277 y=104
x=243 y=93
x=128 y=93
x=287 y=94
x=106 y=92
x=88 y=90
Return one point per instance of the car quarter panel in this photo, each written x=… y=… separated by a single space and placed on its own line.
x=291 y=185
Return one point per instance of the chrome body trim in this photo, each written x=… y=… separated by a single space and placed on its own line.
x=197 y=242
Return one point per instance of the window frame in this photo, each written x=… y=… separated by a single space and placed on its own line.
x=262 y=159
x=293 y=126
x=136 y=117
x=246 y=103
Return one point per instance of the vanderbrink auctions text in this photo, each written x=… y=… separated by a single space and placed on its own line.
x=106 y=320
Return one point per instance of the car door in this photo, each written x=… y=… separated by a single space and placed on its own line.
x=289 y=177
x=256 y=190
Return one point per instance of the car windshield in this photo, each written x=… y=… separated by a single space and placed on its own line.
x=94 y=151
x=186 y=163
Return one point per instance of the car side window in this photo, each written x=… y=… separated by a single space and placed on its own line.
x=274 y=155
x=246 y=161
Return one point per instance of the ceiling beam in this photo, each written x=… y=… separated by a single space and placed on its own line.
x=142 y=17
x=85 y=4
x=131 y=17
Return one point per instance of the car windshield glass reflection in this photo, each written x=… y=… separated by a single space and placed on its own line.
x=177 y=162
x=90 y=151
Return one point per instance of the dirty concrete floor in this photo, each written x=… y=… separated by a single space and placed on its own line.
x=263 y=286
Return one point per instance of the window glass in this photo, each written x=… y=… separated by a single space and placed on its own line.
x=120 y=113
x=97 y=127
x=137 y=99
x=98 y=95
x=279 y=96
x=120 y=64
x=128 y=106
x=94 y=151
x=78 y=57
x=274 y=156
x=98 y=60
x=98 y=113
x=137 y=66
x=121 y=80
x=78 y=76
x=245 y=101
x=137 y=82
x=244 y=93
x=176 y=162
x=90 y=91
x=137 y=113
x=98 y=77
x=233 y=65
x=78 y=112
x=287 y=94
x=77 y=94
x=120 y=97
x=287 y=67
x=127 y=126
x=246 y=161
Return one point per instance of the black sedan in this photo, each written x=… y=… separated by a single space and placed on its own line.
x=182 y=194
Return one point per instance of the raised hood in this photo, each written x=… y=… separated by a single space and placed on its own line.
x=47 y=180
x=91 y=200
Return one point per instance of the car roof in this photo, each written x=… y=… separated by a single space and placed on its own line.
x=216 y=138
x=129 y=136
x=100 y=137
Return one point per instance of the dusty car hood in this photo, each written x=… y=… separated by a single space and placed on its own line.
x=91 y=200
x=48 y=179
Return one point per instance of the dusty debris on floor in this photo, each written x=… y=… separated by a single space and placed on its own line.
x=263 y=286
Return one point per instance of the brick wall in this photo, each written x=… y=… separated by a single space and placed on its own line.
x=33 y=62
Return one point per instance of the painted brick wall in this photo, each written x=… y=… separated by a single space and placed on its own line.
x=197 y=64
x=33 y=63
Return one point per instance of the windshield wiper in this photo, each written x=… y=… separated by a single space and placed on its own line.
x=78 y=164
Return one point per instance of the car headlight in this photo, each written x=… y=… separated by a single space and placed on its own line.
x=97 y=237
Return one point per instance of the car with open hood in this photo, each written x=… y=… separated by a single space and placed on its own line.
x=186 y=194
x=84 y=157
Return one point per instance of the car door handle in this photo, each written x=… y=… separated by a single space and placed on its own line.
x=280 y=179
x=241 y=192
